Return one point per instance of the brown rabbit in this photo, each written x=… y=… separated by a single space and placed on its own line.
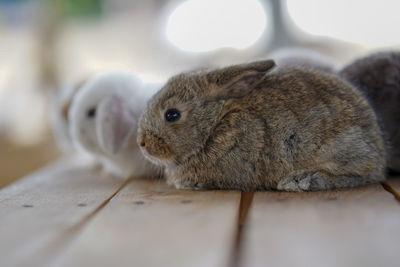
x=249 y=128
x=378 y=76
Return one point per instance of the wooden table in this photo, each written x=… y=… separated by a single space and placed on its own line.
x=69 y=214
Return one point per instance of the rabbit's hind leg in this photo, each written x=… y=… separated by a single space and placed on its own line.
x=315 y=181
x=304 y=181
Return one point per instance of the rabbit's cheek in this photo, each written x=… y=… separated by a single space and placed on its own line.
x=161 y=151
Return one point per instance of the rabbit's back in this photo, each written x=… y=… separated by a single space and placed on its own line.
x=314 y=101
x=316 y=121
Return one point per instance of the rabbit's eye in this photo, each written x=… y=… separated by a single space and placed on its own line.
x=172 y=115
x=91 y=113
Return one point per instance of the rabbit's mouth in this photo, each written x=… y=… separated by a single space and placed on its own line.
x=153 y=159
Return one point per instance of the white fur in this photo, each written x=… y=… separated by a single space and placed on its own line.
x=59 y=123
x=126 y=159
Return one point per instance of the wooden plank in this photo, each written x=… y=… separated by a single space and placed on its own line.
x=40 y=214
x=353 y=227
x=151 y=224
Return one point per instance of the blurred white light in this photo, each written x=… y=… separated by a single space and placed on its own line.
x=150 y=77
x=205 y=25
x=372 y=23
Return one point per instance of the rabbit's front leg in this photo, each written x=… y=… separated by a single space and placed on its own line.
x=180 y=181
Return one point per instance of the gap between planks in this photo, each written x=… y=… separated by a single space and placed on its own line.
x=246 y=199
x=391 y=190
x=75 y=228
x=52 y=249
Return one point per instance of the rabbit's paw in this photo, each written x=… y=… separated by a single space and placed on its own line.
x=304 y=181
x=186 y=184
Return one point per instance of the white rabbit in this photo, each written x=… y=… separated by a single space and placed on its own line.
x=103 y=120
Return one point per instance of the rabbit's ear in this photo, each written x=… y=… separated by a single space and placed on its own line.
x=237 y=81
x=115 y=124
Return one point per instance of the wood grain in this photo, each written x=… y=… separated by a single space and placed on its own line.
x=352 y=227
x=39 y=215
x=151 y=224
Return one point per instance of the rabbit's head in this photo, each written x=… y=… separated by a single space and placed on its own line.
x=101 y=119
x=180 y=118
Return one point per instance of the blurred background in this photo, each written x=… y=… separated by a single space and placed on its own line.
x=45 y=44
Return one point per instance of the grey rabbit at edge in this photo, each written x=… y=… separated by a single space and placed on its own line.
x=253 y=127
x=378 y=77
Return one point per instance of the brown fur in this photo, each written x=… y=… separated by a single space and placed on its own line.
x=247 y=128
